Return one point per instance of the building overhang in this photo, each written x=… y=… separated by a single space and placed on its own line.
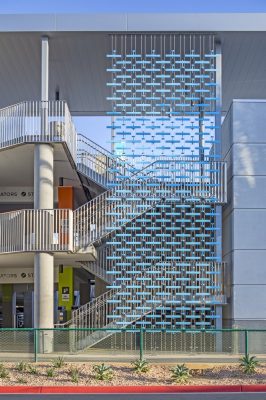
x=133 y=22
x=79 y=43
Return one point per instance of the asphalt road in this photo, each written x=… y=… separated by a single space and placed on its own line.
x=192 y=396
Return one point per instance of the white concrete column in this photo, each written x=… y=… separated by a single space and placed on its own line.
x=44 y=199
x=44 y=290
x=43 y=262
x=43 y=176
x=45 y=69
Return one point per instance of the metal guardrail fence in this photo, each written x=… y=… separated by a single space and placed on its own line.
x=159 y=345
x=37 y=122
x=36 y=230
x=100 y=165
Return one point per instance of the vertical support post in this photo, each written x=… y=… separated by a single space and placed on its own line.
x=45 y=69
x=43 y=199
x=246 y=343
x=218 y=116
x=219 y=333
x=35 y=345
x=218 y=152
x=141 y=344
x=218 y=138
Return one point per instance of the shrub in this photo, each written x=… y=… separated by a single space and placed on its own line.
x=50 y=372
x=4 y=373
x=59 y=362
x=74 y=374
x=140 y=366
x=180 y=373
x=32 y=370
x=248 y=364
x=103 y=372
x=22 y=366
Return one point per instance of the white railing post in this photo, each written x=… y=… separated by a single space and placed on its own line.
x=70 y=230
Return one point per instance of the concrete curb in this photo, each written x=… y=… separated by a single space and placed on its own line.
x=131 y=389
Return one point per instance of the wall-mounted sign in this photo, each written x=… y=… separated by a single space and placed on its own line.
x=65 y=293
x=20 y=275
x=19 y=194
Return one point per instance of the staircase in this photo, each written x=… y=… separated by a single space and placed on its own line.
x=100 y=165
x=161 y=181
x=98 y=314
x=171 y=180
x=95 y=269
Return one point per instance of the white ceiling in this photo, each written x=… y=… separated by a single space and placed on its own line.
x=16 y=169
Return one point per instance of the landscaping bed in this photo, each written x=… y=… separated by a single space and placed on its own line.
x=123 y=374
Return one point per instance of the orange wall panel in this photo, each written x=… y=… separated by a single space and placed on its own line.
x=66 y=197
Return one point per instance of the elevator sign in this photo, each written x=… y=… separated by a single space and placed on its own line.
x=20 y=275
x=21 y=194
x=16 y=275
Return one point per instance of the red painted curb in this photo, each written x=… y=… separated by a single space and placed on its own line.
x=253 y=388
x=127 y=389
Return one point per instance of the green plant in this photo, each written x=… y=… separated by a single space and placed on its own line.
x=59 y=362
x=140 y=366
x=50 y=372
x=180 y=373
x=4 y=373
x=22 y=381
x=32 y=370
x=22 y=366
x=74 y=374
x=103 y=372
x=248 y=364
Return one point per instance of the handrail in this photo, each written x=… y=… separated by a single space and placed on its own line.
x=98 y=313
x=37 y=122
x=99 y=164
x=36 y=230
x=177 y=180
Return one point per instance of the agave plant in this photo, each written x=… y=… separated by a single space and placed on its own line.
x=103 y=372
x=50 y=372
x=4 y=373
x=248 y=364
x=22 y=366
x=180 y=373
x=59 y=362
x=74 y=374
x=32 y=370
x=140 y=366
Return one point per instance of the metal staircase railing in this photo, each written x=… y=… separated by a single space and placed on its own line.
x=102 y=314
x=36 y=230
x=95 y=269
x=86 y=316
x=37 y=122
x=159 y=182
x=163 y=180
x=98 y=315
x=100 y=165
